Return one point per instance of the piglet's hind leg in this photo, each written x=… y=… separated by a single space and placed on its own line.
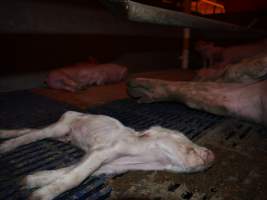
x=42 y=178
x=5 y=134
x=58 y=129
x=86 y=167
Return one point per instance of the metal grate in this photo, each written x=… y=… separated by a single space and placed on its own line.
x=25 y=109
x=45 y=155
x=170 y=115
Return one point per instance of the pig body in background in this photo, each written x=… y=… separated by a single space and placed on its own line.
x=82 y=75
x=239 y=91
x=218 y=57
x=246 y=71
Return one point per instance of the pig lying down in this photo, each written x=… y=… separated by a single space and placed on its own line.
x=248 y=70
x=239 y=91
x=83 y=75
x=218 y=57
x=110 y=147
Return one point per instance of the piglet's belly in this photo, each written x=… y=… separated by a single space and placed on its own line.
x=98 y=131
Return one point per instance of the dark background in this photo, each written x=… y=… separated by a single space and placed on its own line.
x=37 y=35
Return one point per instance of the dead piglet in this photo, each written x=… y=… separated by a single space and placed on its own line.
x=111 y=148
x=80 y=76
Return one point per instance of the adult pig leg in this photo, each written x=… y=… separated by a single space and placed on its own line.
x=246 y=101
x=247 y=71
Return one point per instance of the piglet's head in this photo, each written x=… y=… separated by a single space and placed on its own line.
x=195 y=158
x=184 y=155
x=191 y=157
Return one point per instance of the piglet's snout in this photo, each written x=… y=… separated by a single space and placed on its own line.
x=207 y=156
x=199 y=158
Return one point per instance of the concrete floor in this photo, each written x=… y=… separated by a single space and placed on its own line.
x=239 y=172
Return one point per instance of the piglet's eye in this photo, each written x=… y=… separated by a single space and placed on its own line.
x=189 y=150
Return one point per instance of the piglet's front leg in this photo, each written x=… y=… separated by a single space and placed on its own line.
x=6 y=134
x=74 y=177
x=42 y=178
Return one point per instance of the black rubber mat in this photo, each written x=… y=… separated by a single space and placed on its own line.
x=169 y=115
x=25 y=109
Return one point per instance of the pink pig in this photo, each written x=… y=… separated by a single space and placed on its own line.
x=82 y=75
x=218 y=57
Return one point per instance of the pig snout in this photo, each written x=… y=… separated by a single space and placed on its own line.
x=199 y=159
x=206 y=155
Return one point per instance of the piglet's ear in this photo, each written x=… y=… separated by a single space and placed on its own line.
x=144 y=135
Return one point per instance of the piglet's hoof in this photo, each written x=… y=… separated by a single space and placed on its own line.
x=38 y=195
x=27 y=183
x=23 y=183
x=5 y=147
x=35 y=197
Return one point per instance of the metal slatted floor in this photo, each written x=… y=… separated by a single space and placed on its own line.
x=169 y=115
x=24 y=109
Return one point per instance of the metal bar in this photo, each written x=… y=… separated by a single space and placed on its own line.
x=186 y=38
x=185 y=52
x=150 y=14
x=213 y=3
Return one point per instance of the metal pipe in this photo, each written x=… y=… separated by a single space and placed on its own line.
x=186 y=38
x=139 y=12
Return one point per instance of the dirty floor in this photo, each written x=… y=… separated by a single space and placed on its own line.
x=239 y=172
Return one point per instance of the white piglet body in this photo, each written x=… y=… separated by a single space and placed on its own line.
x=110 y=147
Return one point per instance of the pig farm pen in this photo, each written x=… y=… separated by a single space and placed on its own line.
x=239 y=172
x=240 y=168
